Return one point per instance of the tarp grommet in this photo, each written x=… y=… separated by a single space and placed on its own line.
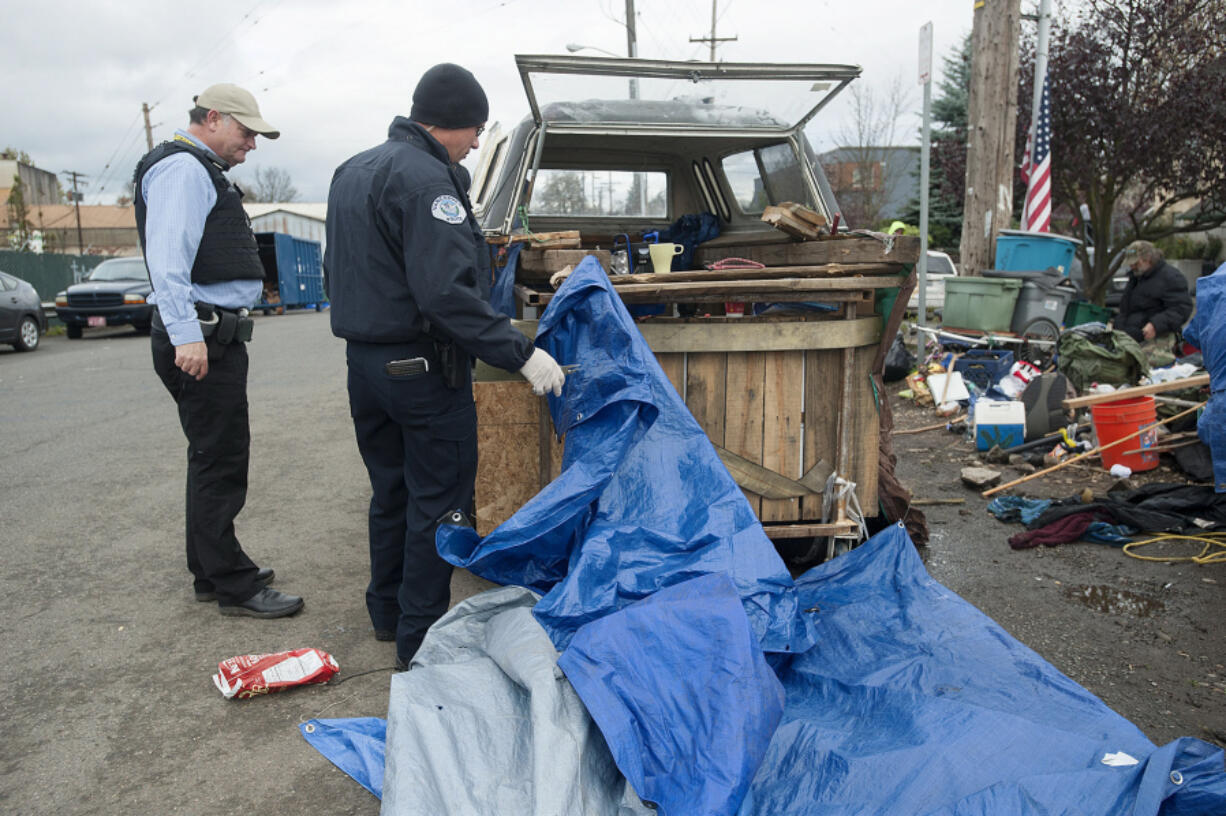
x=1177 y=777
x=309 y=728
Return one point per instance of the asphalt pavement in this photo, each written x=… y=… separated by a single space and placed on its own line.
x=108 y=706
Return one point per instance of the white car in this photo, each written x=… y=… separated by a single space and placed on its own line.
x=940 y=267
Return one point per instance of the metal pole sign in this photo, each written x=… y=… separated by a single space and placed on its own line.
x=925 y=78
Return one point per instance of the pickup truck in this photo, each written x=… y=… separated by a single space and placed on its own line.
x=628 y=145
x=616 y=149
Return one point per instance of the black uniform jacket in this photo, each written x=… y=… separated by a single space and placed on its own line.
x=1160 y=296
x=404 y=249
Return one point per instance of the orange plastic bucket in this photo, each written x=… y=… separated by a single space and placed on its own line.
x=1115 y=420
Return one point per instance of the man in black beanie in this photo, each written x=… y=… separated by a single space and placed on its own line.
x=408 y=276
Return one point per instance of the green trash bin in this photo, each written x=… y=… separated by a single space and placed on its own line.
x=985 y=304
x=1082 y=311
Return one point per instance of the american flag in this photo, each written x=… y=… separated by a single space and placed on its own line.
x=1036 y=171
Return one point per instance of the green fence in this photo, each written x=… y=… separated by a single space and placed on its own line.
x=47 y=272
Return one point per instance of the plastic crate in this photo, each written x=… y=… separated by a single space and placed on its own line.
x=1082 y=311
x=983 y=367
x=1017 y=250
x=985 y=304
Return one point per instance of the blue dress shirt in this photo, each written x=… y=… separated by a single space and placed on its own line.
x=179 y=195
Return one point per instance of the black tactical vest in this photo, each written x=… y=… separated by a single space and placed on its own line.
x=227 y=249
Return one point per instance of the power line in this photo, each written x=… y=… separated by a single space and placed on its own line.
x=226 y=40
x=330 y=34
x=122 y=140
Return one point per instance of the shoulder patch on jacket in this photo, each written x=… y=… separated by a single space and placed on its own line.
x=448 y=208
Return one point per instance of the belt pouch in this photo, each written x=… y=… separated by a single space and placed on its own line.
x=227 y=324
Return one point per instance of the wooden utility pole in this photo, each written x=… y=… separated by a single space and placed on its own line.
x=144 y=106
x=75 y=196
x=713 y=39
x=991 y=122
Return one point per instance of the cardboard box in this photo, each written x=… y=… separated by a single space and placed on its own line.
x=1001 y=424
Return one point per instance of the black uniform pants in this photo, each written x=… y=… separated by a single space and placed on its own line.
x=213 y=414
x=418 y=439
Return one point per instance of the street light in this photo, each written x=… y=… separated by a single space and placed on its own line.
x=574 y=47
x=634 y=83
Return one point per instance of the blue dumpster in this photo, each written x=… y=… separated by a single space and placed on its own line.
x=1021 y=251
x=293 y=272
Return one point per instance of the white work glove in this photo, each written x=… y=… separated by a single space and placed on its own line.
x=544 y=373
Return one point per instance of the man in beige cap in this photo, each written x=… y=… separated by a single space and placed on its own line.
x=206 y=272
x=1155 y=303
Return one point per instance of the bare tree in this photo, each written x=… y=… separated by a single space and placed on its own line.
x=863 y=176
x=271 y=184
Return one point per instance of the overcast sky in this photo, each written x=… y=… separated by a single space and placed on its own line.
x=332 y=75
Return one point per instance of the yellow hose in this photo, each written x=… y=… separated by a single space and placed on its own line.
x=1213 y=551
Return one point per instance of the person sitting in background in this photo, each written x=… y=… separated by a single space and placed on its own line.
x=1155 y=303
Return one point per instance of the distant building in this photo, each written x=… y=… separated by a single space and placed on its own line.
x=39 y=186
x=872 y=184
x=106 y=229
x=305 y=220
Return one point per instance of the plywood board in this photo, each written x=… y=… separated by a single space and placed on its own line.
x=744 y=402
x=509 y=457
x=783 y=409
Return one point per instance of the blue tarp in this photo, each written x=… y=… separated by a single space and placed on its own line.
x=502 y=292
x=915 y=702
x=355 y=745
x=1207 y=332
x=643 y=501
x=900 y=697
x=683 y=657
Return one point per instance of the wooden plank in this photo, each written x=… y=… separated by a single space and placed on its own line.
x=753 y=289
x=822 y=369
x=538 y=239
x=762 y=292
x=903 y=249
x=743 y=411
x=782 y=416
x=704 y=392
x=759 y=334
x=1138 y=391
x=786 y=531
x=804 y=213
x=767 y=273
x=758 y=481
x=866 y=430
x=673 y=365
x=553 y=260
x=784 y=221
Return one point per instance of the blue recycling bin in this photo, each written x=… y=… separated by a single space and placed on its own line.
x=1020 y=251
x=293 y=271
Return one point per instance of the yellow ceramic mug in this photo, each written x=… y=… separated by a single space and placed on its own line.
x=662 y=256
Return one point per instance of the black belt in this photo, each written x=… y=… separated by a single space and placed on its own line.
x=218 y=324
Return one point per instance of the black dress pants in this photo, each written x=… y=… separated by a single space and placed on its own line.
x=213 y=414
x=418 y=439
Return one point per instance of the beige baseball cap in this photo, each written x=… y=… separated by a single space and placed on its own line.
x=239 y=103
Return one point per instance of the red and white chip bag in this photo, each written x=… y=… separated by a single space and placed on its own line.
x=250 y=675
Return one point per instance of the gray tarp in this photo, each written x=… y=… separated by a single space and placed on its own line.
x=487 y=723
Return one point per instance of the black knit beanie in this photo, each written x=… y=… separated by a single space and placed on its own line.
x=449 y=96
